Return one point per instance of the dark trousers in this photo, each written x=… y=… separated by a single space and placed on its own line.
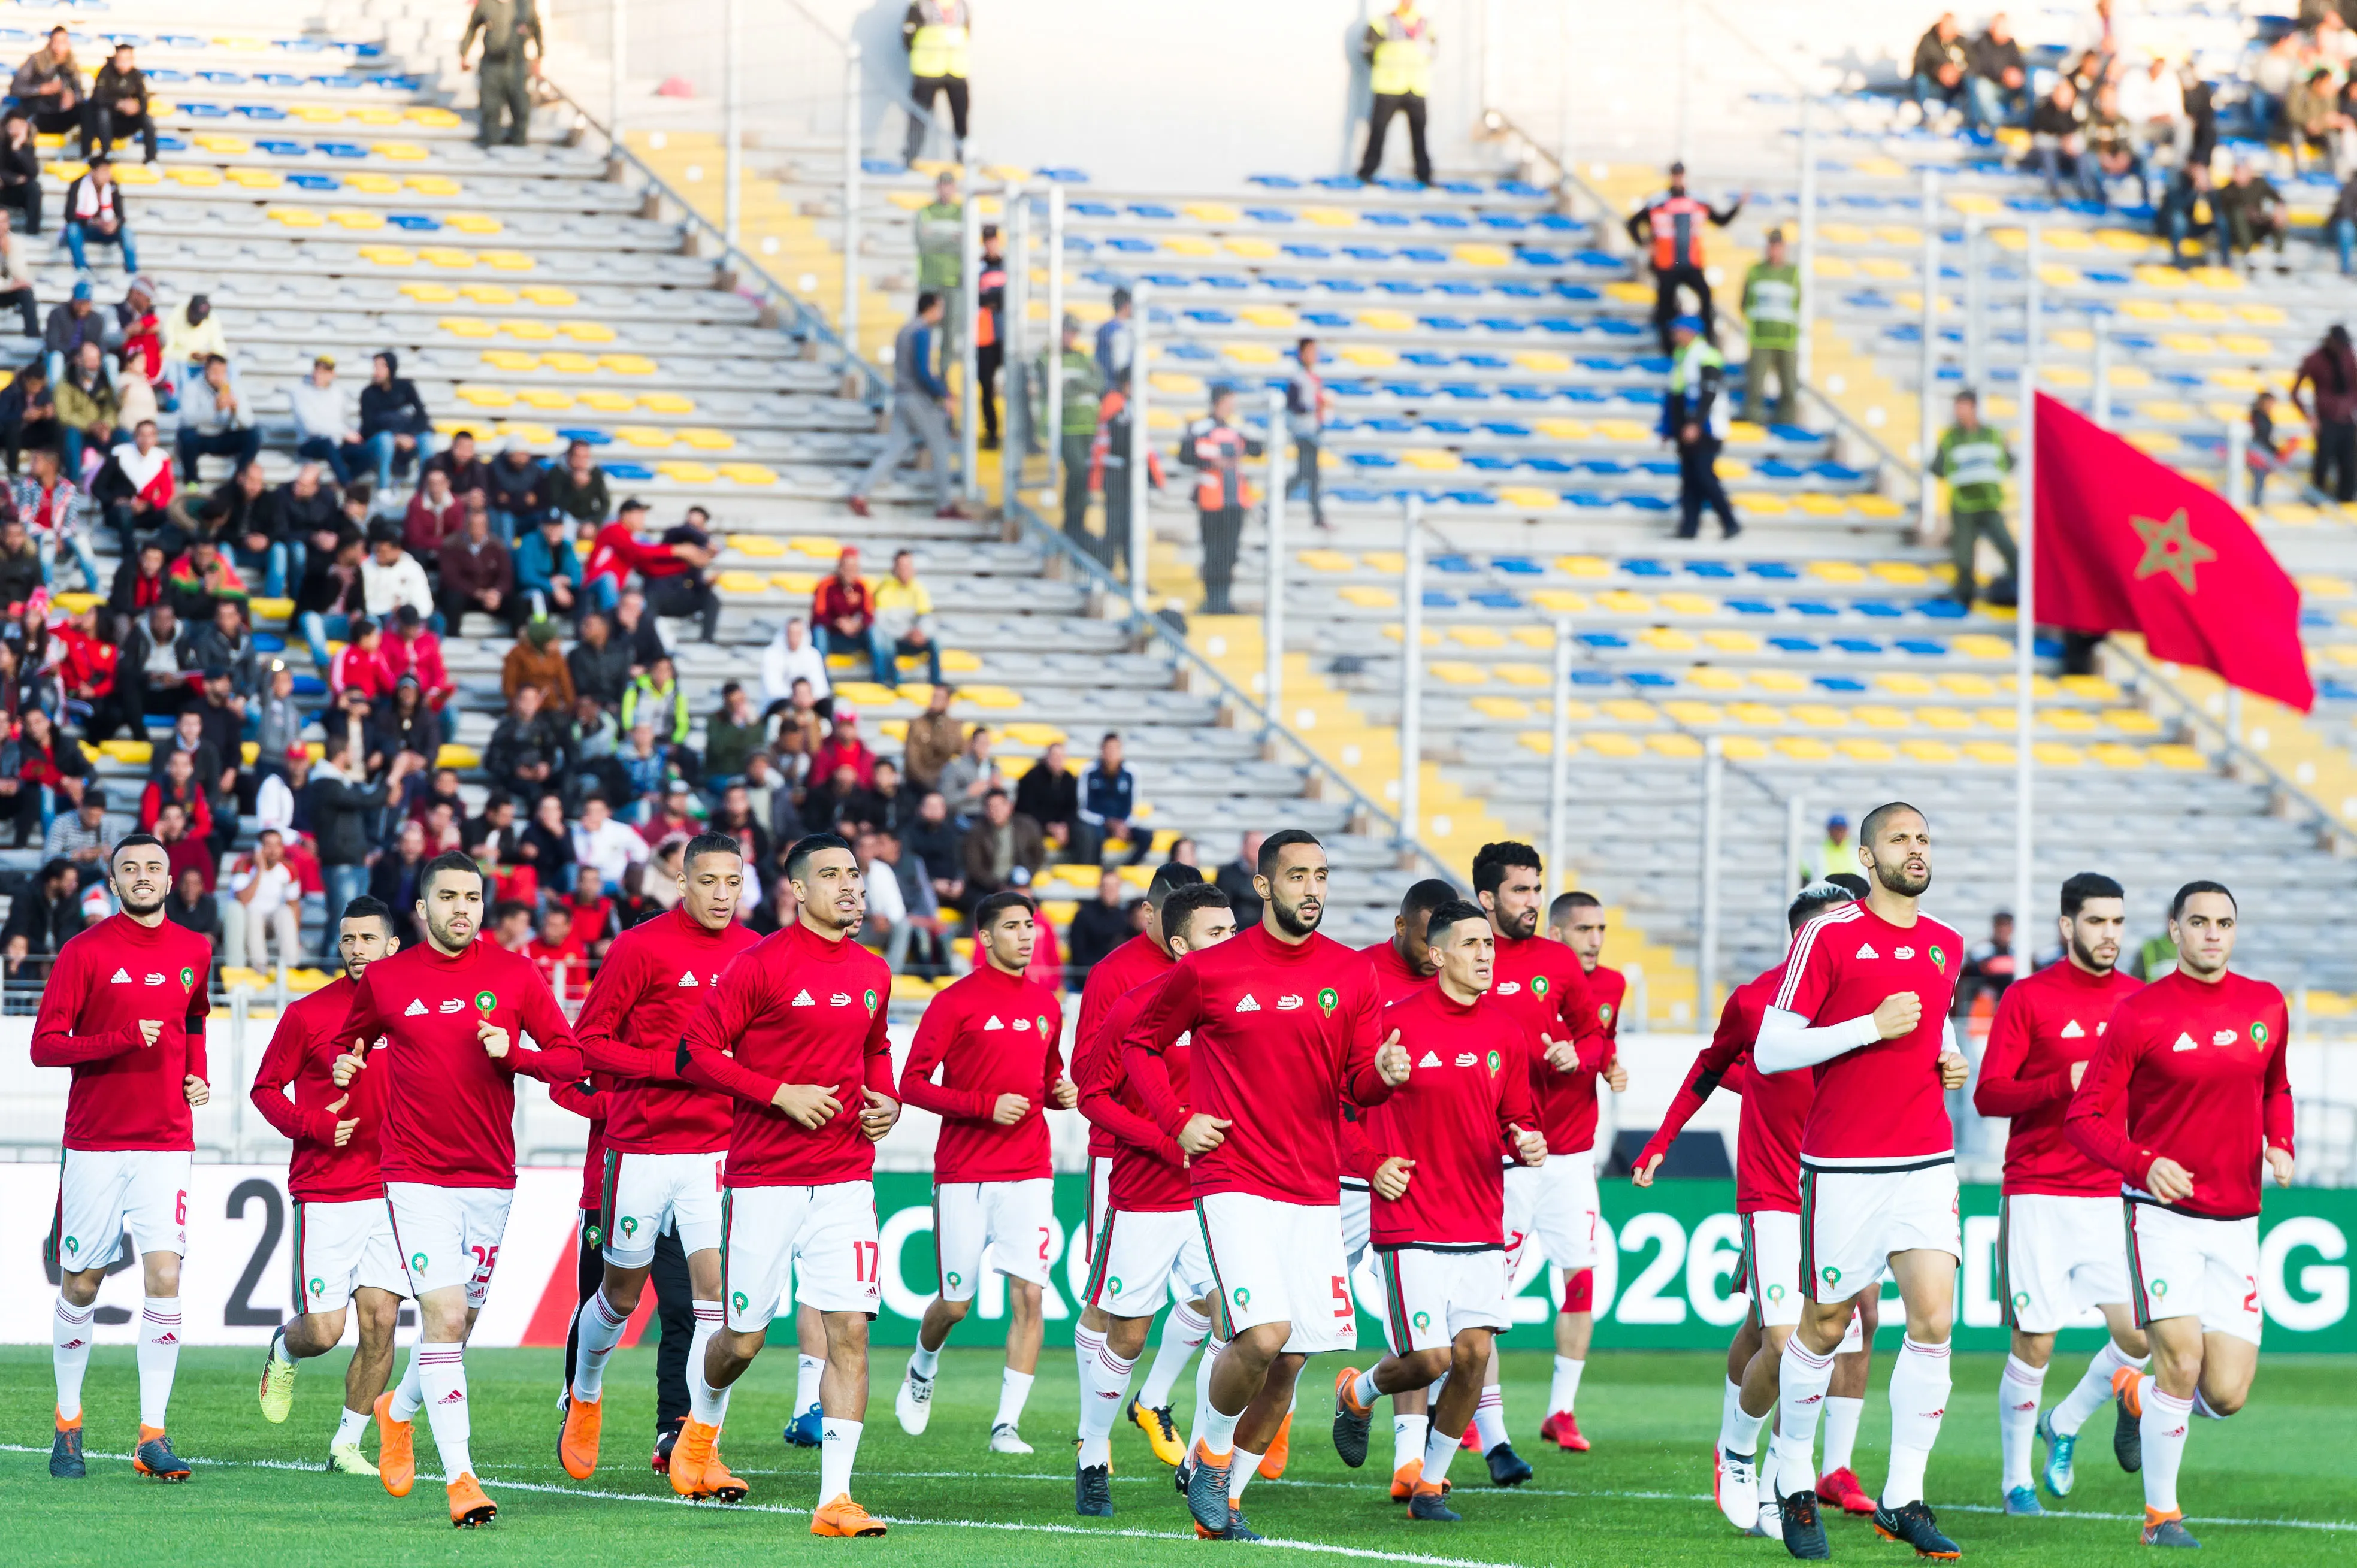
x=1667 y=280
x=60 y=122
x=1074 y=454
x=1115 y=551
x=1379 y=120
x=28 y=309
x=1699 y=488
x=2336 y=459
x=105 y=126
x=239 y=445
x=25 y=199
x=685 y=594
x=988 y=359
x=675 y=1310
x=1223 y=531
x=922 y=90
x=503 y=93
x=1305 y=470
x=455 y=606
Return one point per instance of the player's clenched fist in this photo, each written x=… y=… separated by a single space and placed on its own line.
x=1616 y=1077
x=150 y=1028
x=1530 y=1148
x=1953 y=1069
x=494 y=1039
x=1010 y=1109
x=1392 y=1061
x=808 y=1105
x=196 y=1089
x=878 y=1116
x=1391 y=1178
x=1897 y=1018
x=1067 y=1094
x=1203 y=1132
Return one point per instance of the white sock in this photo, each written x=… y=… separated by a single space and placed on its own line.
x=159 y=1357
x=1841 y=1416
x=1086 y=1343
x=1738 y=1432
x=350 y=1425
x=442 y=1369
x=2094 y=1390
x=1242 y=1468
x=599 y=1329
x=838 y=1446
x=2201 y=1408
x=409 y=1394
x=1409 y=1434
x=2017 y=1417
x=1015 y=1388
x=1439 y=1450
x=1490 y=1417
x=707 y=1324
x=1802 y=1375
x=1182 y=1332
x=1218 y=1431
x=71 y=1332
x=707 y=1405
x=1566 y=1383
x=2166 y=1420
x=279 y=1353
x=1362 y=1389
x=1204 y=1412
x=926 y=1363
x=1104 y=1378
x=806 y=1375
x=1920 y=1385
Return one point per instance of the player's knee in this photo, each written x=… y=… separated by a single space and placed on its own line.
x=1931 y=1326
x=622 y=1289
x=162 y=1274
x=1126 y=1337
x=1421 y=1367
x=1470 y=1356
x=2033 y=1349
x=951 y=1311
x=82 y=1289
x=2225 y=1400
x=1774 y=1339
x=1023 y=1300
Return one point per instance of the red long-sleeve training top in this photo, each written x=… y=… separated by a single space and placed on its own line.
x=987 y=1035
x=656 y=975
x=1150 y=1168
x=1467 y=1089
x=1775 y=1104
x=1539 y=983
x=2045 y=1025
x=1119 y=972
x=126 y=1094
x=302 y=1055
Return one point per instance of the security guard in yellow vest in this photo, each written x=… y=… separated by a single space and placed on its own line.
x=934 y=33
x=1398 y=51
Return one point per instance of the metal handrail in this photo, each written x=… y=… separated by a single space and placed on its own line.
x=1497 y=122
x=1853 y=426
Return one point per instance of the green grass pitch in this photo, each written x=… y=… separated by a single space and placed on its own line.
x=2283 y=1467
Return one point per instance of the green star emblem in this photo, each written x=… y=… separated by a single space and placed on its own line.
x=485 y=1002
x=2170 y=547
x=318 y=1285
x=417 y=1262
x=2258 y=1034
x=1328 y=1000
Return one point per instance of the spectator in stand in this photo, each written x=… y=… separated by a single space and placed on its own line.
x=83 y=838
x=599 y=662
x=603 y=845
x=2180 y=216
x=29 y=414
x=2058 y=134
x=1109 y=802
x=48 y=503
x=467 y=474
x=934 y=739
x=48 y=87
x=2250 y=208
x=843 y=612
x=152 y=677
x=267 y=901
x=559 y=955
x=577 y=486
x=72 y=323
x=436 y=515
x=359 y=666
x=934 y=839
x=86 y=677
x=802 y=718
x=966 y=777
x=192 y=334
x=656 y=699
x=1235 y=880
x=1050 y=796
x=331 y=595
x=2331 y=369
x=412 y=648
x=1001 y=850
x=175 y=806
x=526 y=729
x=1669 y=229
x=790 y=657
x=478 y=573
x=223 y=514
x=677 y=583
x=547 y=571
x=326 y=430
x=904 y=619
x=226 y=643
x=215 y=421
x=48 y=776
x=396 y=429
x=20 y=168
x=839 y=804
x=119 y=104
x=546 y=843
x=646 y=768
x=1099 y=927
x=2342 y=224
x=1998 y=87
x=391 y=576
x=47 y=914
x=1942 y=62
x=731 y=735
x=200 y=579
x=94 y=215
x=845 y=746
x=536 y=661
x=2112 y=152
x=88 y=408
x=20 y=565
x=2318 y=120
x=297 y=511
x=135 y=486
x=189 y=905
x=405 y=721
x=518 y=492
x=2152 y=101
x=16 y=284
x=923 y=407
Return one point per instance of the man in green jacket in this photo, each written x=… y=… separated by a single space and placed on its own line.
x=1974 y=460
x=503 y=75
x=941 y=263
x=1077 y=427
x=1772 y=316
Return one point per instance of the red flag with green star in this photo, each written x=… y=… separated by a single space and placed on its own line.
x=2127 y=544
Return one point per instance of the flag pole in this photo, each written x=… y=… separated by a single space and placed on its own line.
x=2025 y=628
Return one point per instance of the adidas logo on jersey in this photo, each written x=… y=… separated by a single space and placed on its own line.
x=802 y=999
x=994 y=1023
x=2070 y=1031
x=416 y=1009
x=2184 y=1043
x=1466 y=1059
x=688 y=978
x=1431 y=1058
x=1865 y=949
x=1248 y=1004
x=122 y=977
x=1287 y=1003
x=1902 y=954
x=1509 y=988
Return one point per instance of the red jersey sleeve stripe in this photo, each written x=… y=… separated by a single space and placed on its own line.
x=1801 y=945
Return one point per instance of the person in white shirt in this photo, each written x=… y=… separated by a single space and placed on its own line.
x=324 y=421
x=391 y=577
x=2153 y=103
x=269 y=898
x=792 y=656
x=599 y=840
x=888 y=912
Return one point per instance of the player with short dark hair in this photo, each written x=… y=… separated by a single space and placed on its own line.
x=1865 y=1002
x=1543 y=985
x=445 y=1022
x=2190 y=1100
x=345 y=1254
x=1282 y=1026
x=987 y=1060
x=1439 y=1198
x=795 y=1032
x=1578 y=920
x=666 y=1140
x=1151 y=1246
x=125 y=1008
x=2059 y=1248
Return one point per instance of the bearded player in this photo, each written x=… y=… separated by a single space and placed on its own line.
x=125 y=1008
x=1283 y=1025
x=794 y=1031
x=451 y=1014
x=1864 y=1004
x=2059 y=1248
x=2190 y=1100
x=345 y=1254
x=1151 y=1246
x=666 y=1140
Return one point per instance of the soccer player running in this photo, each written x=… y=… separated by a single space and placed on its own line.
x=2187 y=1098
x=666 y=1140
x=1439 y=1212
x=1120 y=973
x=1405 y=964
x=1543 y=985
x=795 y=1032
x=345 y=1254
x=1150 y=1241
x=1865 y=1003
x=1768 y=1204
x=1577 y=920
x=2059 y=1247
x=444 y=1022
x=991 y=1039
x=1282 y=1021
x=125 y=1008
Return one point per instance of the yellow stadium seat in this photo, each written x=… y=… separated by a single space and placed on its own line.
x=551 y=294
x=1250 y=353
x=489 y=293
x=1368 y=356
x=508 y=261
x=1529 y=498
x=546 y=399
x=292 y=217
x=373 y=184
x=432 y=185
x=1559 y=601
x=467 y=327
x=448 y=256
x=686 y=472
x=1368 y=597
x=1516 y=675
x=748 y=474
x=355 y=218
x=400 y=152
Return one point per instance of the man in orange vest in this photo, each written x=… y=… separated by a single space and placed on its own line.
x=990 y=330
x=1669 y=229
x=1216 y=449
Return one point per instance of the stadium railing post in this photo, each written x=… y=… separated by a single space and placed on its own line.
x=1052 y=437
x=238 y=1011
x=2025 y=634
x=1926 y=495
x=1795 y=824
x=1559 y=759
x=1017 y=424
x=969 y=308
x=618 y=38
x=2238 y=463
x=1141 y=441
x=1272 y=613
x=2101 y=409
x=1976 y=303
x=1808 y=225
x=1411 y=736
x=732 y=126
x=1714 y=802
x=851 y=198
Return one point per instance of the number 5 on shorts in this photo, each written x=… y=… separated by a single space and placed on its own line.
x=1342 y=1307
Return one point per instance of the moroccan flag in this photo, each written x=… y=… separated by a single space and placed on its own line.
x=2127 y=543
